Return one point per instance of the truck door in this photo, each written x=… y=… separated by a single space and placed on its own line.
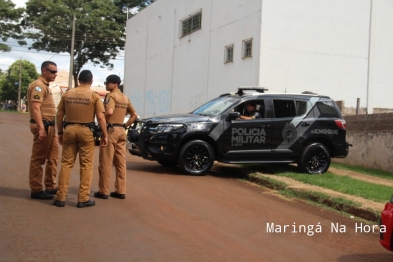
x=292 y=118
x=247 y=139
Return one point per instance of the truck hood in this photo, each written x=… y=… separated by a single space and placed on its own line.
x=177 y=118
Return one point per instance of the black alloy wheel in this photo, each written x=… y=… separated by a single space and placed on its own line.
x=315 y=159
x=196 y=157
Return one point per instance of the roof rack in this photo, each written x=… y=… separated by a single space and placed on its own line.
x=257 y=89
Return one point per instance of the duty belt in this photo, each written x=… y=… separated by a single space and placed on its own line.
x=82 y=124
x=45 y=122
x=90 y=125
x=122 y=125
x=110 y=126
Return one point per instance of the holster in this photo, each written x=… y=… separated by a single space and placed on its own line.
x=46 y=123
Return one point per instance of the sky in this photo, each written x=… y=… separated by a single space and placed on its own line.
x=62 y=60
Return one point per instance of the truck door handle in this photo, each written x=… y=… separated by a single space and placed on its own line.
x=305 y=124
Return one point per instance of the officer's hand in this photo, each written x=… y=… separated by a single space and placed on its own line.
x=41 y=134
x=104 y=141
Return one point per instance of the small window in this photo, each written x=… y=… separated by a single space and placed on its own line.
x=327 y=109
x=228 y=54
x=247 y=48
x=191 y=24
x=301 y=108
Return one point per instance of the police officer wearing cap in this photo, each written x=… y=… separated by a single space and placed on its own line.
x=45 y=148
x=117 y=106
x=79 y=105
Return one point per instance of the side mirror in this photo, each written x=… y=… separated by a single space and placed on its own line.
x=233 y=116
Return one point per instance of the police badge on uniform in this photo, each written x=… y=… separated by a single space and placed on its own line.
x=38 y=88
x=107 y=98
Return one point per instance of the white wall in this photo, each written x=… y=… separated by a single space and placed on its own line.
x=323 y=46
x=382 y=66
x=315 y=45
x=165 y=73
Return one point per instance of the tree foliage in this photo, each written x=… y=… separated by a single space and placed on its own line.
x=9 y=81
x=9 y=24
x=99 y=28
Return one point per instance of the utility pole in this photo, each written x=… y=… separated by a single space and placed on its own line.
x=72 y=54
x=20 y=85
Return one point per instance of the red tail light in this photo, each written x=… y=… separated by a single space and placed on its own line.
x=340 y=123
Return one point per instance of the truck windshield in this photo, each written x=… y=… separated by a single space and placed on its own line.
x=215 y=107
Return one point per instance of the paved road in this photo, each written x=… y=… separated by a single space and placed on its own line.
x=166 y=216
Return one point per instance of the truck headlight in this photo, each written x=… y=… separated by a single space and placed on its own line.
x=164 y=128
x=200 y=126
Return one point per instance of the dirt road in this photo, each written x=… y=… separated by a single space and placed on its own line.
x=166 y=216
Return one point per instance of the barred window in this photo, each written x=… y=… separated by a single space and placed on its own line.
x=247 y=48
x=228 y=55
x=191 y=24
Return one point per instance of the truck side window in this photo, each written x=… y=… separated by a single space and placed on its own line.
x=284 y=108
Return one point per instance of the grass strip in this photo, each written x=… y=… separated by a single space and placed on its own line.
x=364 y=170
x=344 y=184
x=337 y=203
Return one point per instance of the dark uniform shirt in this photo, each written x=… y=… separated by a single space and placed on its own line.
x=254 y=114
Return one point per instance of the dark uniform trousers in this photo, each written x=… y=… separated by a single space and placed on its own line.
x=76 y=139
x=114 y=153
x=47 y=150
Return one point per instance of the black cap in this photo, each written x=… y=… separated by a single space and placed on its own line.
x=83 y=74
x=113 y=79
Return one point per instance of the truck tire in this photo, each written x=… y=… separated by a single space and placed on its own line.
x=315 y=159
x=196 y=157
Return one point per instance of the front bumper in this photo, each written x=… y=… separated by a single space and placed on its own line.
x=156 y=146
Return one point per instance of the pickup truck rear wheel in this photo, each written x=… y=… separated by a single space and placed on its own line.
x=196 y=157
x=315 y=159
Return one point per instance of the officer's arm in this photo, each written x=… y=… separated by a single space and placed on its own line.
x=102 y=123
x=132 y=119
x=59 y=121
x=246 y=117
x=108 y=114
x=36 y=110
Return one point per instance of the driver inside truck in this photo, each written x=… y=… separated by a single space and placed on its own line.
x=251 y=111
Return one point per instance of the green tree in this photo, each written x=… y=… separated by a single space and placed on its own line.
x=9 y=24
x=9 y=82
x=99 y=28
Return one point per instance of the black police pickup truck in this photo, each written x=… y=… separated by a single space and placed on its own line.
x=304 y=128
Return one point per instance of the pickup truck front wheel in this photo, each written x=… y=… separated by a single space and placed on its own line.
x=196 y=157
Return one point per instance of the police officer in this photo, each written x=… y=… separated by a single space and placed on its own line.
x=252 y=112
x=45 y=148
x=79 y=105
x=117 y=106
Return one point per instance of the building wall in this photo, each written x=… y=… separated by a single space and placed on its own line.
x=165 y=73
x=322 y=46
x=372 y=140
